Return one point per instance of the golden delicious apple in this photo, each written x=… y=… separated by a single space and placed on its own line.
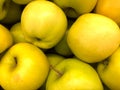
x=74 y=8
x=73 y=74
x=43 y=23
x=4 y=6
x=23 y=67
x=109 y=8
x=93 y=37
x=17 y=33
x=13 y=14
x=109 y=71
x=6 y=39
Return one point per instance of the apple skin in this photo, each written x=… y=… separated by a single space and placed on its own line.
x=109 y=8
x=13 y=14
x=109 y=71
x=93 y=37
x=22 y=2
x=17 y=33
x=4 y=6
x=6 y=39
x=73 y=74
x=23 y=67
x=42 y=28
x=74 y=8
x=54 y=59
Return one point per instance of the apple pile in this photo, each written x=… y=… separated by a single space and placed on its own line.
x=59 y=44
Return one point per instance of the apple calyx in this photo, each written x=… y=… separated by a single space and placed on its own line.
x=4 y=5
x=57 y=71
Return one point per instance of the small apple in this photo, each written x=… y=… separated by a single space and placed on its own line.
x=17 y=33
x=109 y=71
x=4 y=6
x=23 y=67
x=73 y=74
x=93 y=37
x=13 y=14
x=109 y=8
x=22 y=2
x=74 y=8
x=62 y=47
x=54 y=59
x=6 y=39
x=43 y=23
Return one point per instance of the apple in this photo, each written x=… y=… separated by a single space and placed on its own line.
x=54 y=59
x=4 y=6
x=41 y=25
x=109 y=8
x=74 y=8
x=13 y=14
x=73 y=74
x=6 y=39
x=93 y=37
x=17 y=33
x=62 y=47
x=23 y=67
x=109 y=70
x=22 y=2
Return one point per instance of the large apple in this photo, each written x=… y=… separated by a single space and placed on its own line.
x=74 y=8
x=23 y=67
x=13 y=14
x=93 y=37
x=73 y=74
x=17 y=33
x=109 y=8
x=109 y=70
x=43 y=23
x=6 y=39
x=4 y=6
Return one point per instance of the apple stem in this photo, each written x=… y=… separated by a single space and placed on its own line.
x=58 y=72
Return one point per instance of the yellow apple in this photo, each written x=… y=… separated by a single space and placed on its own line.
x=73 y=74
x=109 y=71
x=93 y=37
x=17 y=33
x=13 y=14
x=74 y=8
x=6 y=39
x=43 y=23
x=23 y=67
x=109 y=8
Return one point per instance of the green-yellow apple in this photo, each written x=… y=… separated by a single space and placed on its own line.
x=73 y=74
x=22 y=2
x=17 y=33
x=62 y=47
x=109 y=8
x=109 y=71
x=13 y=14
x=4 y=6
x=43 y=23
x=54 y=59
x=6 y=39
x=74 y=8
x=93 y=37
x=23 y=67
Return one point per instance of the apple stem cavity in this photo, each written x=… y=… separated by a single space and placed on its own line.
x=54 y=69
